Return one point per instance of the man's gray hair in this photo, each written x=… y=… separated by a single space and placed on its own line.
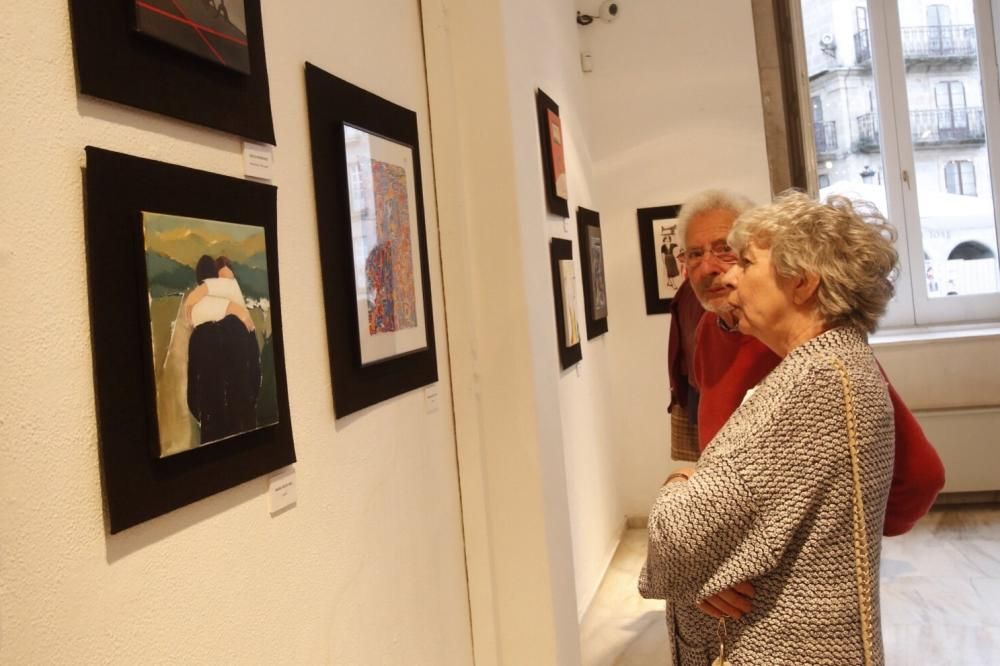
x=710 y=200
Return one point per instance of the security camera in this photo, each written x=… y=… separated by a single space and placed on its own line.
x=609 y=10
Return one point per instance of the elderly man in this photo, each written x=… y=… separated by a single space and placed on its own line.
x=728 y=363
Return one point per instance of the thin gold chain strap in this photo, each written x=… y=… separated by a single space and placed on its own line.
x=861 y=563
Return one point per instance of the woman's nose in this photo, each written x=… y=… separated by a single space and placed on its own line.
x=731 y=278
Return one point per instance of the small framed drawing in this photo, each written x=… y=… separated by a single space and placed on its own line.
x=201 y=61
x=660 y=249
x=564 y=291
x=186 y=323
x=595 y=290
x=553 y=155
x=373 y=243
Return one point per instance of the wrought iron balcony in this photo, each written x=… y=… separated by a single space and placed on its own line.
x=868 y=139
x=934 y=42
x=947 y=126
x=825 y=134
x=929 y=129
x=956 y=42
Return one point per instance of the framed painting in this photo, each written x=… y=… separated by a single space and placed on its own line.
x=662 y=260
x=201 y=61
x=215 y=30
x=564 y=292
x=595 y=289
x=373 y=243
x=186 y=325
x=553 y=155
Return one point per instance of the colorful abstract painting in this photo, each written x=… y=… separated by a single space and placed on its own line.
x=389 y=267
x=215 y=30
x=210 y=325
x=387 y=271
x=558 y=155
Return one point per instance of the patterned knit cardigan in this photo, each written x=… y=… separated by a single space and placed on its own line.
x=772 y=503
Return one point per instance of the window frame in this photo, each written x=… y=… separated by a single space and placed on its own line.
x=912 y=306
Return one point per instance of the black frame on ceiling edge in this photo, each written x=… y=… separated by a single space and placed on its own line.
x=116 y=63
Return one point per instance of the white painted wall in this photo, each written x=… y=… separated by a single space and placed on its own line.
x=368 y=567
x=674 y=102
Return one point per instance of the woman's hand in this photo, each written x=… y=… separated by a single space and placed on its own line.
x=674 y=478
x=732 y=603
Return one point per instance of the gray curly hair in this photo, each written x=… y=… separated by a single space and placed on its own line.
x=709 y=200
x=848 y=245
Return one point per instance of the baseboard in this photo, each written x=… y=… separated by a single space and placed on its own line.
x=977 y=497
x=636 y=522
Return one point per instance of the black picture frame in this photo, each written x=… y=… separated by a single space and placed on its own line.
x=570 y=354
x=117 y=63
x=335 y=104
x=595 y=288
x=557 y=202
x=657 y=269
x=138 y=485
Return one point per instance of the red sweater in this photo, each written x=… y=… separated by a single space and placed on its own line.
x=727 y=364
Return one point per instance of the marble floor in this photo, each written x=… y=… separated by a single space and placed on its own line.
x=940 y=597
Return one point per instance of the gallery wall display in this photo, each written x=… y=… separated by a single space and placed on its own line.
x=553 y=155
x=660 y=249
x=186 y=324
x=595 y=289
x=373 y=243
x=201 y=61
x=564 y=292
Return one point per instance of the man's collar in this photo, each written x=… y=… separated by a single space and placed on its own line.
x=724 y=326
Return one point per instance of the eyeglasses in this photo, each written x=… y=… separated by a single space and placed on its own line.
x=720 y=250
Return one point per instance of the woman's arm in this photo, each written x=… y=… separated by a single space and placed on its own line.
x=705 y=536
x=192 y=299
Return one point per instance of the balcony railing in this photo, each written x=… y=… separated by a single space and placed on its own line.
x=825 y=134
x=925 y=43
x=928 y=128
x=868 y=141
x=947 y=126
x=862 y=48
x=945 y=41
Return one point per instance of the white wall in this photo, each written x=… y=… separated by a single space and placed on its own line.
x=368 y=567
x=674 y=101
x=544 y=46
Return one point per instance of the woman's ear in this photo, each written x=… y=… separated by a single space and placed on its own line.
x=805 y=288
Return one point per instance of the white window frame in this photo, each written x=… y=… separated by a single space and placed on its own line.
x=912 y=307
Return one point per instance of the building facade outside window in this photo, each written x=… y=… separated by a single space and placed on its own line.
x=897 y=90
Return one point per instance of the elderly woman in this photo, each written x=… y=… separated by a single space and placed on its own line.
x=791 y=493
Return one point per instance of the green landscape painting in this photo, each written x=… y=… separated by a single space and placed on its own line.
x=210 y=319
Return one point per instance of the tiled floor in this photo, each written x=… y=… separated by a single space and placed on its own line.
x=940 y=597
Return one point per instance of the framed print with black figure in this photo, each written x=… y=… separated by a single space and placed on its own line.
x=373 y=243
x=662 y=260
x=186 y=324
x=595 y=289
x=564 y=293
x=201 y=61
x=550 y=133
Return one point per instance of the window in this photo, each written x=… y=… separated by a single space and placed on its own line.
x=920 y=97
x=960 y=177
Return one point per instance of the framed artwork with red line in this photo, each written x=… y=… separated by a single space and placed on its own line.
x=201 y=61
x=215 y=30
